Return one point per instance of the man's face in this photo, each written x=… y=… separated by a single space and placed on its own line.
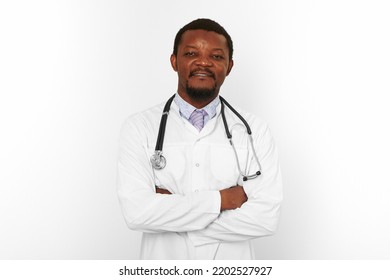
x=202 y=63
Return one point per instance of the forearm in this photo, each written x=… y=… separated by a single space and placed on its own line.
x=146 y=210
x=249 y=220
x=231 y=198
x=259 y=215
x=253 y=219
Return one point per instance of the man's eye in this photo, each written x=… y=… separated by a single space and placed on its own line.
x=217 y=56
x=189 y=54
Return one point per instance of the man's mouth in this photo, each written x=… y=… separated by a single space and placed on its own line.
x=202 y=73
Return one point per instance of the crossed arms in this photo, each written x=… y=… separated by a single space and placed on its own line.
x=231 y=198
x=234 y=214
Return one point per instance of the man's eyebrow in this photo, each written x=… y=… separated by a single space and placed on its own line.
x=191 y=46
x=195 y=47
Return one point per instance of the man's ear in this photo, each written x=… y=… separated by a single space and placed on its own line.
x=174 y=62
x=231 y=63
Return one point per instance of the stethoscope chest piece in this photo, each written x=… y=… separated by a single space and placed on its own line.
x=157 y=160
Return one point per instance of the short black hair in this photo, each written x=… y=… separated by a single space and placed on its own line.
x=204 y=24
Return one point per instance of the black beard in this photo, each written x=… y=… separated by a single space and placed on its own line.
x=201 y=94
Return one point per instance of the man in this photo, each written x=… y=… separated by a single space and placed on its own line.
x=198 y=206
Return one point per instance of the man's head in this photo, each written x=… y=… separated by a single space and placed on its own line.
x=202 y=57
x=208 y=25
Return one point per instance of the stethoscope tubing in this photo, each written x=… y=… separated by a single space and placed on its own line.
x=223 y=101
x=163 y=124
x=158 y=160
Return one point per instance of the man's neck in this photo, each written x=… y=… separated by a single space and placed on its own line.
x=196 y=103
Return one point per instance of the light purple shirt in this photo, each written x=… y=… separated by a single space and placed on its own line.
x=186 y=109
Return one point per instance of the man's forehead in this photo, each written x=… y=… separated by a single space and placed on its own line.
x=190 y=36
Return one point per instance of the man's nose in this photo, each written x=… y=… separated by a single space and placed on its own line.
x=204 y=61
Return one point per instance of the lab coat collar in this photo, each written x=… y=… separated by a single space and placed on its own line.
x=207 y=129
x=186 y=109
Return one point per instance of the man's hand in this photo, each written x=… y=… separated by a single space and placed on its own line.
x=232 y=198
x=162 y=191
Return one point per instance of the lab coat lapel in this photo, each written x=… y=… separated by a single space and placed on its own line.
x=211 y=124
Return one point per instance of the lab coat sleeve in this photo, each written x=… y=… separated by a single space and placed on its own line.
x=260 y=214
x=144 y=209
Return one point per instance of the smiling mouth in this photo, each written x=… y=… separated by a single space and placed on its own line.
x=202 y=74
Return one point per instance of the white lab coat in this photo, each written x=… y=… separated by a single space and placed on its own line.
x=188 y=224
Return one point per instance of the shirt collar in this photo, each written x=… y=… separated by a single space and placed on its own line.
x=186 y=108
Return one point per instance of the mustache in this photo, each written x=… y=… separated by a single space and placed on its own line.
x=201 y=70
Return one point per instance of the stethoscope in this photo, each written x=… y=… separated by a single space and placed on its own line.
x=158 y=161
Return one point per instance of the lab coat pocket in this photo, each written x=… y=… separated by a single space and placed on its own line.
x=224 y=165
x=171 y=176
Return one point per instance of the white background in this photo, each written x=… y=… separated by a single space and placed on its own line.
x=72 y=71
